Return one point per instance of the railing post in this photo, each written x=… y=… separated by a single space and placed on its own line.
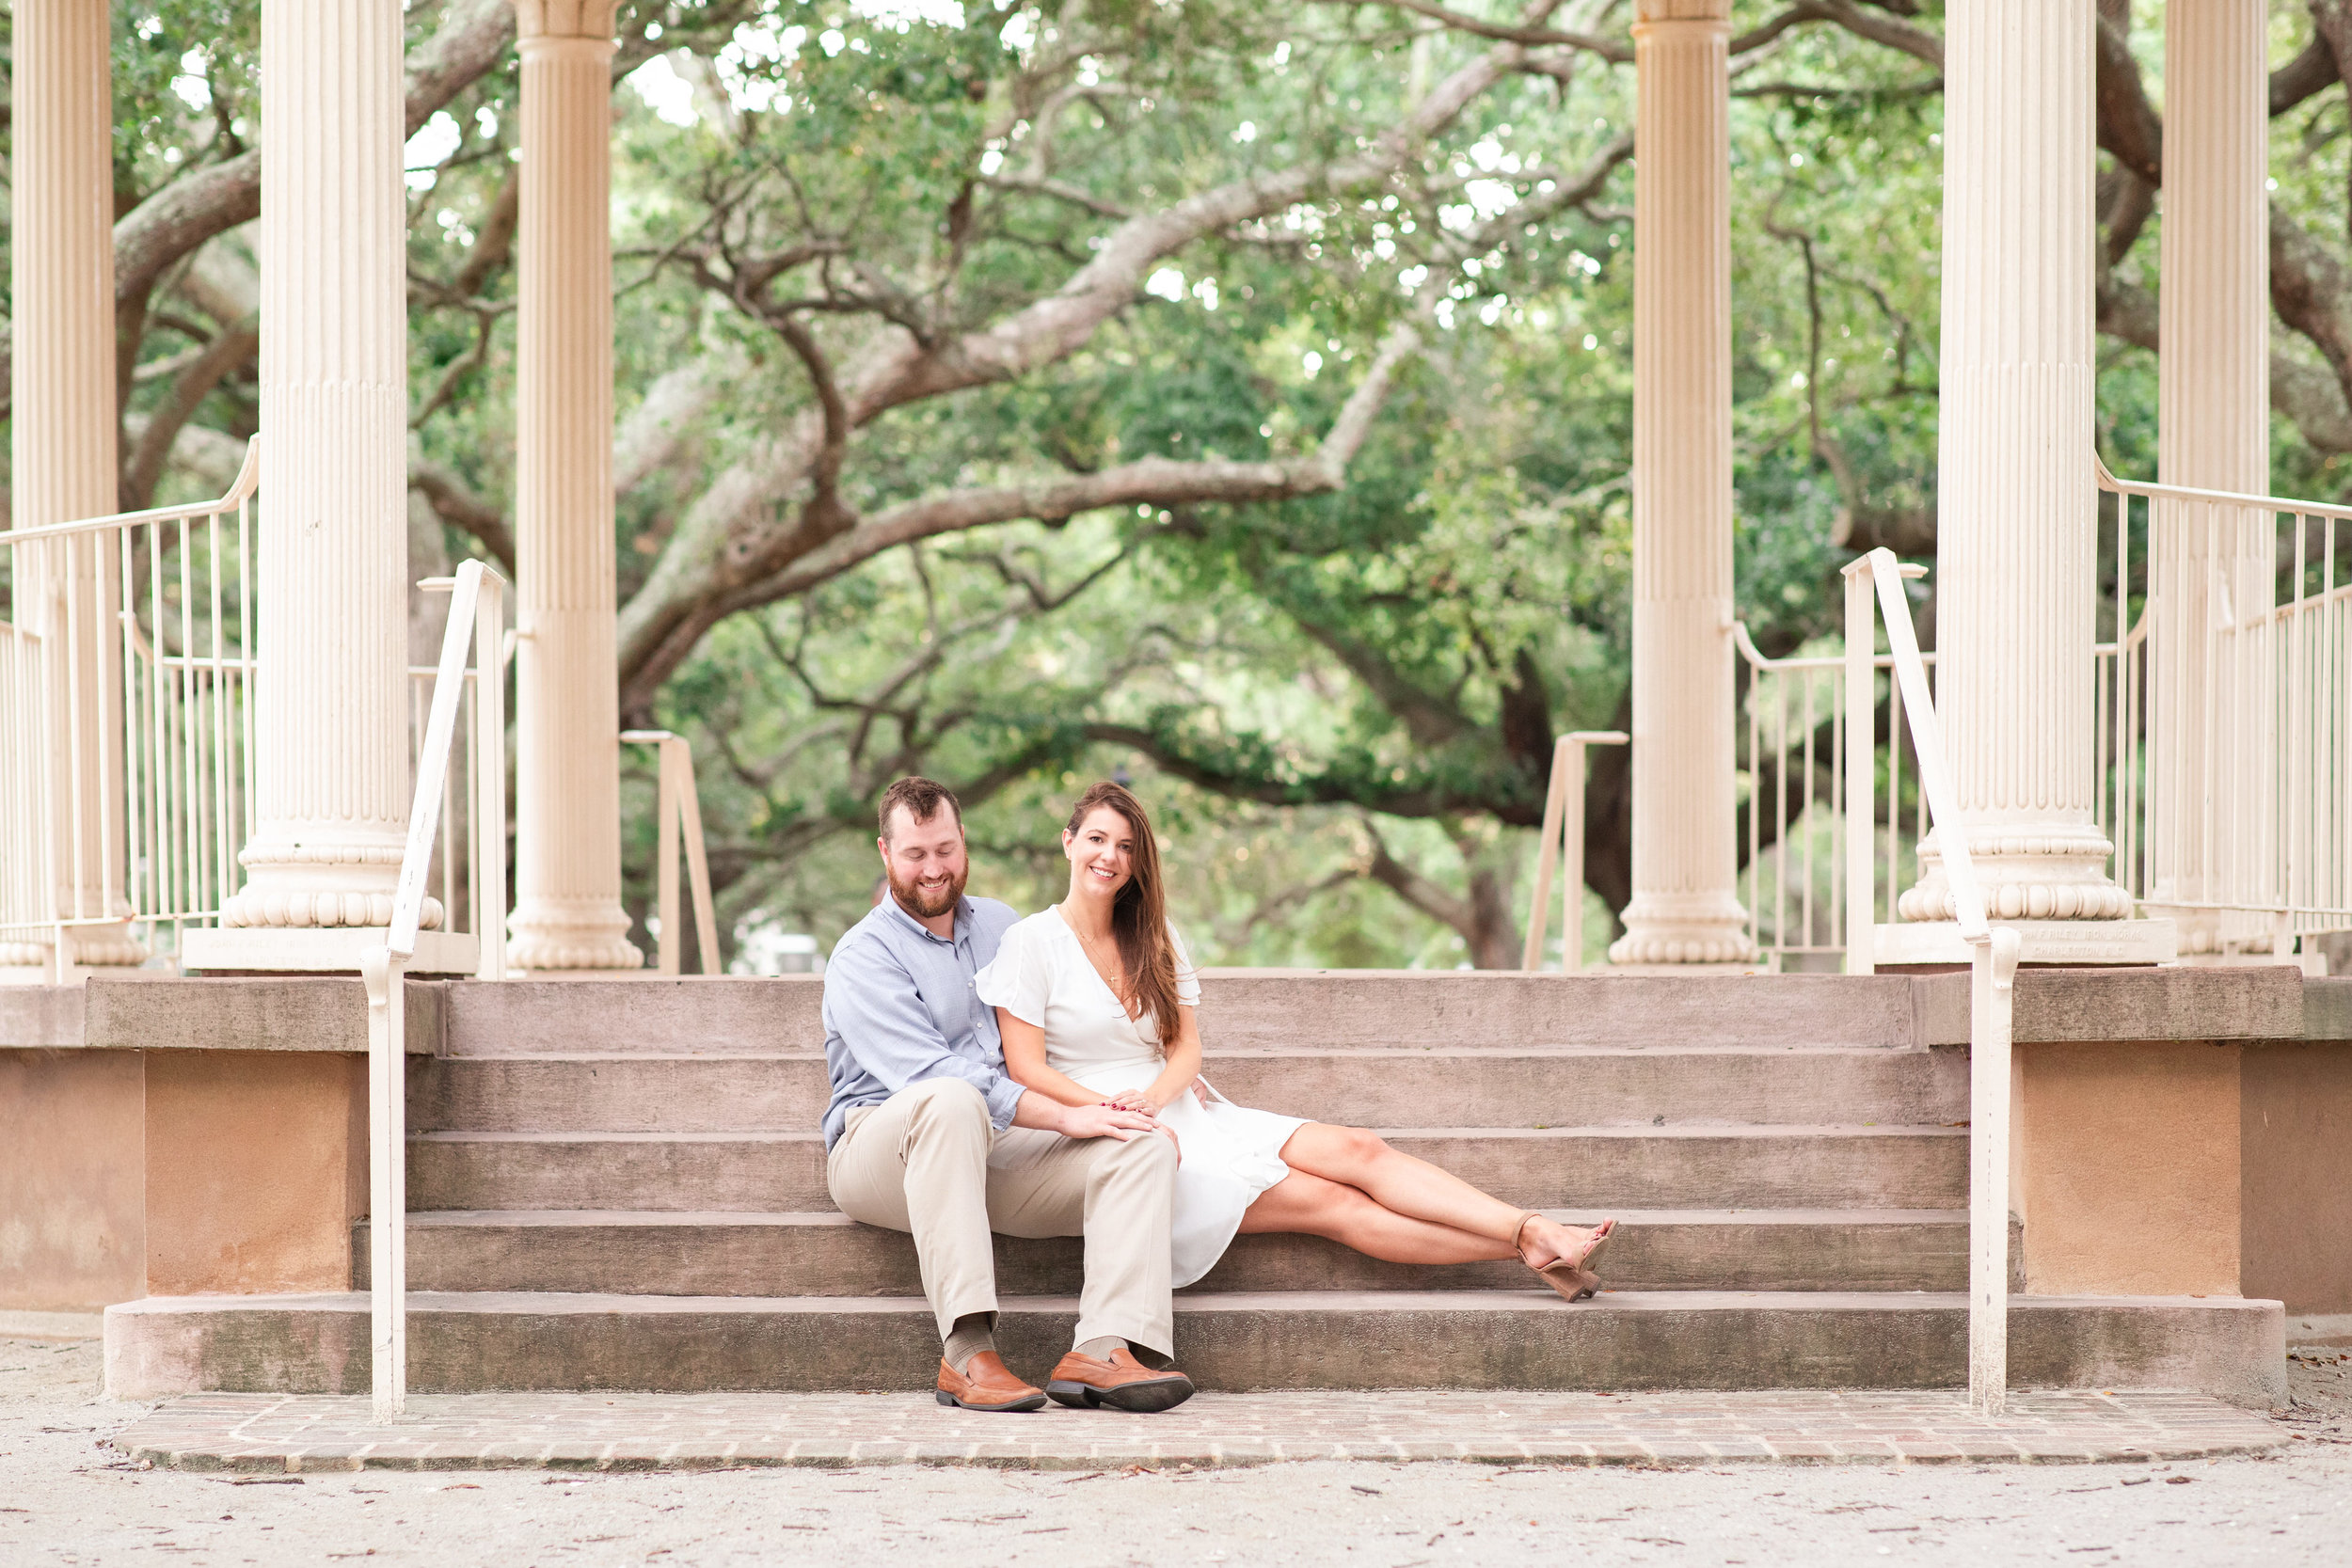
x=490 y=780
x=665 y=856
x=1546 y=856
x=1861 y=767
x=1993 y=970
x=1563 y=844
x=677 y=809
x=1572 y=859
x=382 y=972
x=697 y=856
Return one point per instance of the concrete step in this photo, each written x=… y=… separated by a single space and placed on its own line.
x=1240 y=1009
x=1590 y=1087
x=829 y=1255
x=1839 y=1166
x=318 y=1344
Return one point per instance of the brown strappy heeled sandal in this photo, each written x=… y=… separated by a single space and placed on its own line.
x=1576 y=1282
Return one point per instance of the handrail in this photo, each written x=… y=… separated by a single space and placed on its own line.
x=248 y=480
x=1564 y=839
x=678 y=814
x=476 y=617
x=2150 y=490
x=1993 y=950
x=1758 y=659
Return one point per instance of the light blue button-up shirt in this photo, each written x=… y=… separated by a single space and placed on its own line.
x=899 y=1008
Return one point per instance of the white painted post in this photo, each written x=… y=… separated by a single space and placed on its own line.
x=489 y=781
x=1861 y=767
x=1993 y=967
x=385 y=976
x=665 y=857
x=1563 y=843
x=1993 y=970
x=677 y=809
x=1547 y=853
x=697 y=855
x=383 y=970
x=1572 y=857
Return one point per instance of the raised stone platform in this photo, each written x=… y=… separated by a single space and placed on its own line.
x=469 y=1342
x=649 y=1432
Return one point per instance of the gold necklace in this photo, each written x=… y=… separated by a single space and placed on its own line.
x=1085 y=945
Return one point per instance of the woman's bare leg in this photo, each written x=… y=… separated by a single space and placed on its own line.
x=1417 y=1190
x=1304 y=1204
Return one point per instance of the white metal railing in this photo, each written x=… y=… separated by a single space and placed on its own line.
x=1564 y=843
x=2225 y=713
x=126 y=721
x=1799 y=882
x=476 y=614
x=128 y=673
x=678 y=817
x=1993 y=950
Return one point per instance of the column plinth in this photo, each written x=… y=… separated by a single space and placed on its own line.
x=331 y=770
x=2017 y=552
x=63 y=462
x=1685 y=907
x=568 y=863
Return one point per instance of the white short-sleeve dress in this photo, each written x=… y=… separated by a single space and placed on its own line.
x=1042 y=975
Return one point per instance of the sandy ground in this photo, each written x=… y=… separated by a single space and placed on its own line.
x=66 y=1500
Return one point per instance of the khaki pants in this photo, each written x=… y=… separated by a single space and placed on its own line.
x=926 y=1161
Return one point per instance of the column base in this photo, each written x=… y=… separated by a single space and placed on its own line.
x=1679 y=931
x=559 y=935
x=319 y=949
x=2221 y=935
x=108 y=949
x=2046 y=942
x=103 y=946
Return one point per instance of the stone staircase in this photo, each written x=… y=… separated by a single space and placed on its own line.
x=621 y=1185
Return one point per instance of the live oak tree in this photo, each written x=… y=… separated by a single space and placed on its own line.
x=1232 y=392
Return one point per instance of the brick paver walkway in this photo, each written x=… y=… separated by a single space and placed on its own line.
x=636 y=1431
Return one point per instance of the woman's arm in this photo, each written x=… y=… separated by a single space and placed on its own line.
x=1025 y=1062
x=1183 y=1055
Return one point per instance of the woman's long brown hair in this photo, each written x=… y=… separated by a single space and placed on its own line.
x=1139 y=914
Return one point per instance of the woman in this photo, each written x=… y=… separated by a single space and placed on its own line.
x=1098 y=1004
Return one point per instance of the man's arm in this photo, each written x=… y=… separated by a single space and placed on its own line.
x=872 y=1004
x=883 y=1022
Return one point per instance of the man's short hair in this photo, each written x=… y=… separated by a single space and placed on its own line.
x=922 y=799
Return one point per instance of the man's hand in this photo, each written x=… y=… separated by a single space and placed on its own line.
x=1104 y=1121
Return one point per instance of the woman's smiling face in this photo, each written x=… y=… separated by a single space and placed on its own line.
x=1102 y=853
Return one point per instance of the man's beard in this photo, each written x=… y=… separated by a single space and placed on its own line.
x=931 y=907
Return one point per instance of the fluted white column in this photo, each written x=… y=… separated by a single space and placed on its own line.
x=567 y=903
x=1686 y=906
x=2212 y=566
x=331 y=766
x=62 y=451
x=2017 y=517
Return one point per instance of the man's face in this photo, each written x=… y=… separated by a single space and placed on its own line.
x=925 y=862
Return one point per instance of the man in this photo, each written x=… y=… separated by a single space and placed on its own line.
x=927 y=1134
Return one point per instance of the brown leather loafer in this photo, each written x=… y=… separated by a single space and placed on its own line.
x=1122 y=1383
x=984 y=1385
